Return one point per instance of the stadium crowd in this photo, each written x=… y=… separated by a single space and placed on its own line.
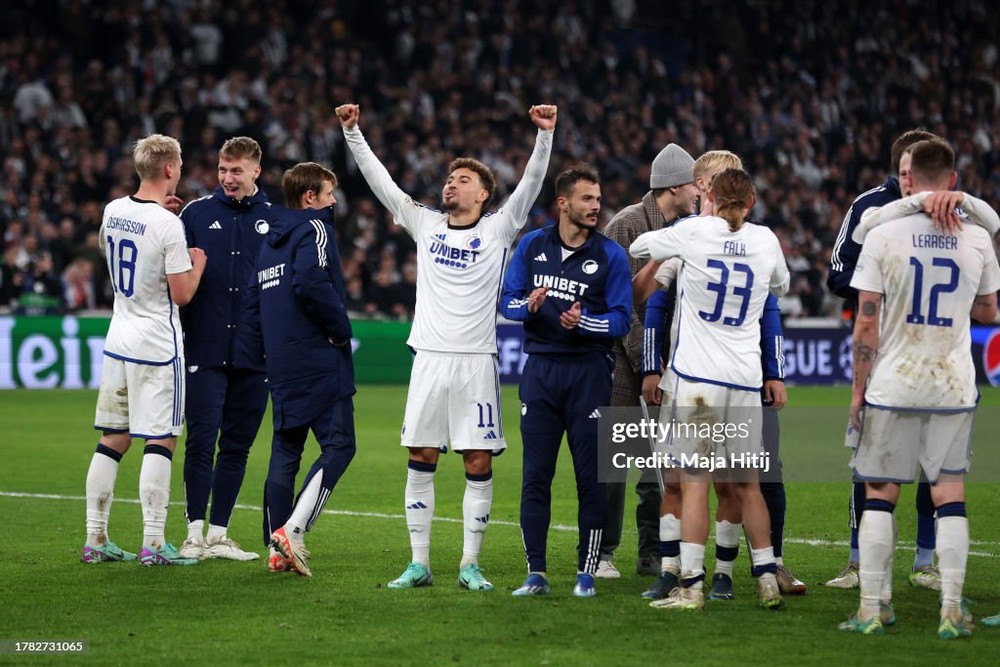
x=810 y=104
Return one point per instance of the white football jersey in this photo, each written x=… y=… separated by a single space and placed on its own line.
x=721 y=291
x=459 y=271
x=143 y=243
x=929 y=281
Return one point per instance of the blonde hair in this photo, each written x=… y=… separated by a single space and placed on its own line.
x=154 y=152
x=241 y=147
x=714 y=161
x=733 y=191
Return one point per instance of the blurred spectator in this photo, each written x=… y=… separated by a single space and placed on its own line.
x=809 y=103
x=41 y=290
x=78 y=282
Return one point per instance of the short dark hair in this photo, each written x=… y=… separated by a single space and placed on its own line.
x=581 y=172
x=486 y=178
x=933 y=161
x=303 y=177
x=905 y=140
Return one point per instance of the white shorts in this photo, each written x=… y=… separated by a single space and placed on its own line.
x=454 y=399
x=146 y=401
x=893 y=442
x=711 y=426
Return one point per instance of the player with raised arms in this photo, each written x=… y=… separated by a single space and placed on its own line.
x=454 y=393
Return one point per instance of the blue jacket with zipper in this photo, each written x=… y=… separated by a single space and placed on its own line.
x=231 y=233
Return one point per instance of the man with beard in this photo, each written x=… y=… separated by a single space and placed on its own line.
x=454 y=393
x=572 y=288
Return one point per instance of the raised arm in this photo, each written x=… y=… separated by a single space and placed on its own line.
x=400 y=204
x=515 y=209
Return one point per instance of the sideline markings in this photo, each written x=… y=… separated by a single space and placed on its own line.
x=444 y=519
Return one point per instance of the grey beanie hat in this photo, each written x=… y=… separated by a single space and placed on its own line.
x=673 y=166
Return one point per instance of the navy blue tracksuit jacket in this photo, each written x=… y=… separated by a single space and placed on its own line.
x=226 y=393
x=567 y=377
x=845 y=250
x=297 y=302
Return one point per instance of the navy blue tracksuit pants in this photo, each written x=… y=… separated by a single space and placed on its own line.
x=562 y=393
x=232 y=401
x=334 y=430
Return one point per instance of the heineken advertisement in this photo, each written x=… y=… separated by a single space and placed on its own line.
x=67 y=352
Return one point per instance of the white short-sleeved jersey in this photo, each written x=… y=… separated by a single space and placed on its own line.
x=143 y=243
x=929 y=282
x=721 y=292
x=459 y=271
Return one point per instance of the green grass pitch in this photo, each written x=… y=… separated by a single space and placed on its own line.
x=238 y=613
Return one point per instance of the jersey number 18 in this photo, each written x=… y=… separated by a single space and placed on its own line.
x=124 y=280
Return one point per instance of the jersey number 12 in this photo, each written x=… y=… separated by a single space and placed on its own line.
x=937 y=289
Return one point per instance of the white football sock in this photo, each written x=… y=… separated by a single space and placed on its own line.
x=692 y=562
x=196 y=529
x=154 y=494
x=953 y=552
x=100 y=492
x=760 y=557
x=419 y=504
x=875 y=545
x=215 y=533
x=308 y=506
x=726 y=535
x=670 y=531
x=475 y=515
x=886 y=594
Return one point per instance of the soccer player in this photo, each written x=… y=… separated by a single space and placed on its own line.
x=729 y=268
x=672 y=195
x=142 y=384
x=227 y=395
x=571 y=287
x=913 y=391
x=728 y=524
x=842 y=263
x=298 y=303
x=454 y=393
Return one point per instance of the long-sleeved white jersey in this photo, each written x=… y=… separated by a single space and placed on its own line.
x=459 y=271
x=721 y=291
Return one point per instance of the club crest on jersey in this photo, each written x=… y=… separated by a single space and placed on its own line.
x=261 y=226
x=590 y=267
x=474 y=242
